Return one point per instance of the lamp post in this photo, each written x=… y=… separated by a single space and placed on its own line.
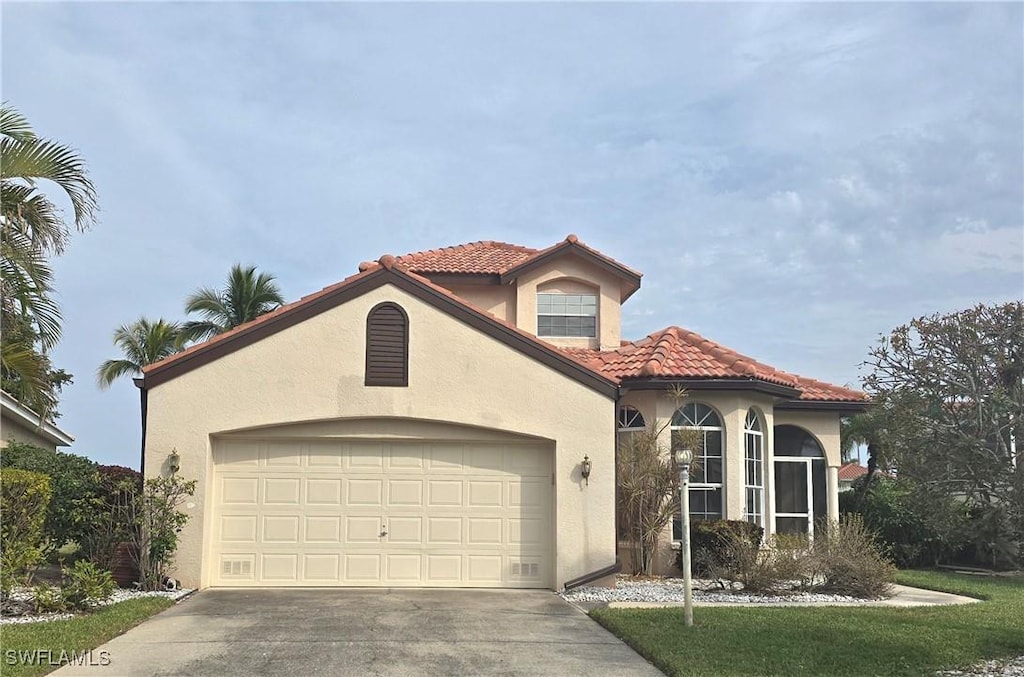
x=683 y=459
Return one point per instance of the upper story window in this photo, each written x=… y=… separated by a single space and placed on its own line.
x=387 y=346
x=567 y=315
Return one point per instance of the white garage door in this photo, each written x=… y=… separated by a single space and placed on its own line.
x=328 y=513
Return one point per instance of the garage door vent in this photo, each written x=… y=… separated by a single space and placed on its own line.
x=525 y=569
x=236 y=567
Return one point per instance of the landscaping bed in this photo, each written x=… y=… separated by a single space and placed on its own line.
x=19 y=609
x=670 y=590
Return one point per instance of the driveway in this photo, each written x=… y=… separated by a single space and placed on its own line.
x=299 y=632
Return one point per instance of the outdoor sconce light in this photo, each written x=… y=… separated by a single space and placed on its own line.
x=173 y=461
x=585 y=469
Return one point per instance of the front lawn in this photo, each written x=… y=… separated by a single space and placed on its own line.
x=25 y=646
x=833 y=640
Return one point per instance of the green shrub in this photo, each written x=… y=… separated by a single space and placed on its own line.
x=48 y=599
x=85 y=584
x=117 y=486
x=846 y=559
x=74 y=508
x=710 y=543
x=914 y=533
x=24 y=497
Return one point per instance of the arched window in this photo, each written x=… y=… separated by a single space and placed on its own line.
x=753 y=442
x=800 y=488
x=387 y=346
x=706 y=479
x=630 y=419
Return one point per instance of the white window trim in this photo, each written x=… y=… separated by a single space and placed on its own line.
x=708 y=486
x=809 y=515
x=597 y=305
x=759 y=435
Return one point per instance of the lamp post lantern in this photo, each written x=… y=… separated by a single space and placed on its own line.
x=683 y=458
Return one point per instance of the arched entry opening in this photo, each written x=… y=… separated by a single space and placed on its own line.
x=801 y=494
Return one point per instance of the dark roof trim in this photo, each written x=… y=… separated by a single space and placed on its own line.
x=448 y=279
x=664 y=383
x=823 y=405
x=567 y=247
x=301 y=312
x=531 y=348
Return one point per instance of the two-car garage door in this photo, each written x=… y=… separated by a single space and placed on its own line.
x=381 y=513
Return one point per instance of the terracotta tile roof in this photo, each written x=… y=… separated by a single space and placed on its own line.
x=484 y=257
x=851 y=471
x=678 y=353
x=488 y=257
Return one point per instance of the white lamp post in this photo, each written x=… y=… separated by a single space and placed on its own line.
x=683 y=459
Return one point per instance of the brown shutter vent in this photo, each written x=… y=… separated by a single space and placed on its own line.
x=387 y=346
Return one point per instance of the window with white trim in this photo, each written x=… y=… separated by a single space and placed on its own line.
x=630 y=422
x=630 y=419
x=706 y=474
x=753 y=442
x=567 y=315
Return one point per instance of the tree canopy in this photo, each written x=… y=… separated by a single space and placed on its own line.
x=32 y=229
x=949 y=413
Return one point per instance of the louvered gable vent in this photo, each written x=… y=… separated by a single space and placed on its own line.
x=387 y=346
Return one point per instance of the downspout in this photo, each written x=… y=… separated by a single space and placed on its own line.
x=595 y=575
x=140 y=383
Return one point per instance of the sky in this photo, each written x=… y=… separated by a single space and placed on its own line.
x=793 y=180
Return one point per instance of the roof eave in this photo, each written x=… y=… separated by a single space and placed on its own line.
x=567 y=247
x=666 y=382
x=842 y=406
x=12 y=407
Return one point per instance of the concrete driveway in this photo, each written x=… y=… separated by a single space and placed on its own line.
x=300 y=632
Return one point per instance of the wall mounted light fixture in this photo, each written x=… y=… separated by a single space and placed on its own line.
x=585 y=467
x=174 y=461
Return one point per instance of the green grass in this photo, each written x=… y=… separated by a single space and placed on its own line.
x=833 y=640
x=74 y=634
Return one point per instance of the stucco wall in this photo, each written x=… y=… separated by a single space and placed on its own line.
x=313 y=371
x=732 y=406
x=498 y=300
x=566 y=270
x=14 y=430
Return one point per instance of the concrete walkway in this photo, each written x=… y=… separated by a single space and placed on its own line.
x=903 y=596
x=300 y=632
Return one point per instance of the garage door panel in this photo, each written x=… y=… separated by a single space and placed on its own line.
x=283 y=567
x=405 y=492
x=280 y=529
x=362 y=568
x=238 y=528
x=321 y=567
x=323 y=491
x=382 y=513
x=239 y=490
x=281 y=491
x=444 y=493
x=322 y=529
x=364 y=492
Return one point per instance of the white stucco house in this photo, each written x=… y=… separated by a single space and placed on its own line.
x=425 y=422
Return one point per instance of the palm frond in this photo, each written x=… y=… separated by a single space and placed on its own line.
x=39 y=158
x=142 y=342
x=13 y=124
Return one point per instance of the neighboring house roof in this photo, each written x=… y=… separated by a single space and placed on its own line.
x=505 y=262
x=676 y=354
x=851 y=471
x=372 y=276
x=19 y=413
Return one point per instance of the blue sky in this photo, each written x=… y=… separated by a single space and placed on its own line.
x=793 y=180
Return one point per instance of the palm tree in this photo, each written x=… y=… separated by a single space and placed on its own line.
x=32 y=227
x=248 y=295
x=142 y=342
x=28 y=159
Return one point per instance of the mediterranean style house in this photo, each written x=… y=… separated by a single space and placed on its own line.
x=451 y=417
